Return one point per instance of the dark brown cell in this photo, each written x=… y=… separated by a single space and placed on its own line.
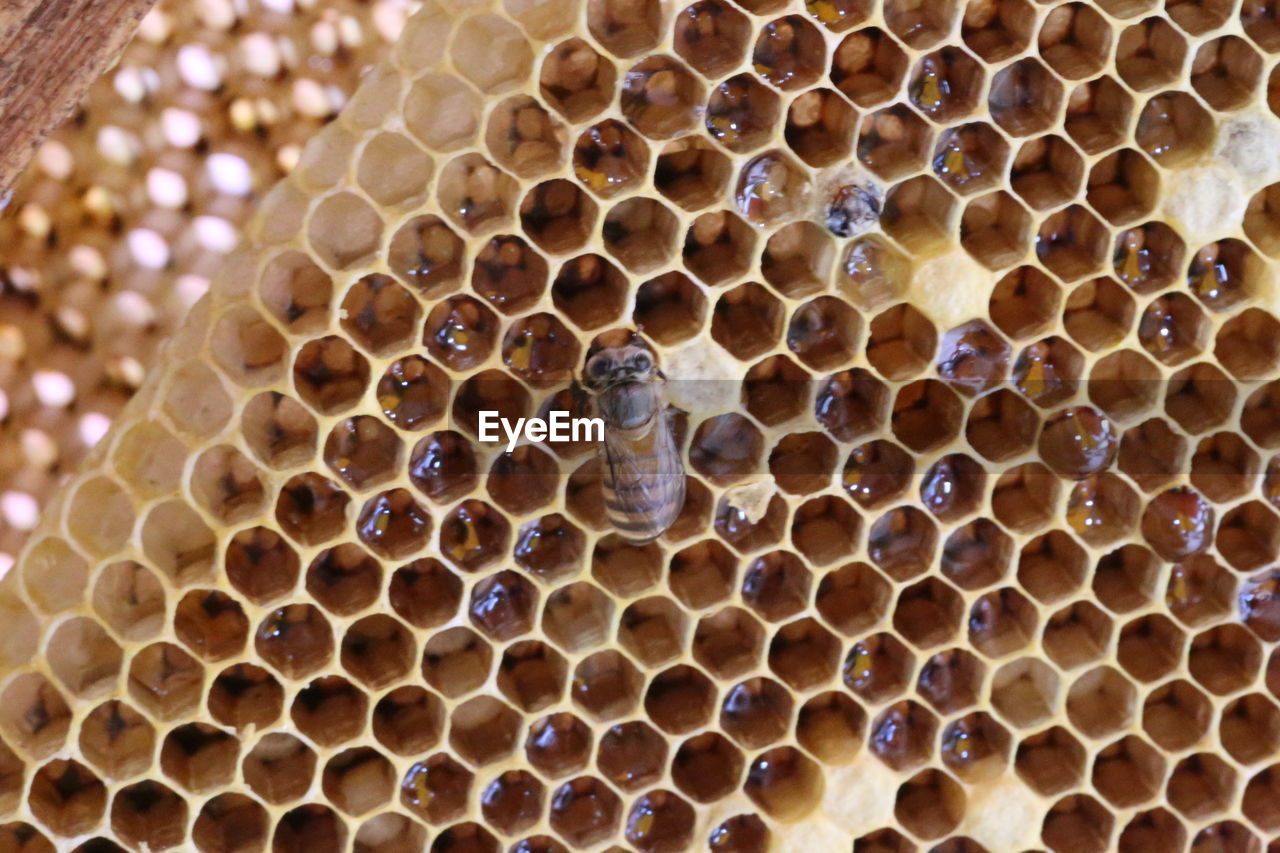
x=718 y=247
x=378 y=651
x=975 y=747
x=1201 y=786
x=246 y=695
x=744 y=833
x=344 y=580
x=1025 y=98
x=970 y=158
x=691 y=172
x=393 y=525
x=952 y=487
x=408 y=720
x=1150 y=54
x=585 y=811
x=804 y=654
x=868 y=67
x=443 y=466
x=871 y=274
x=1001 y=622
x=660 y=97
x=930 y=804
x=784 y=783
x=742 y=113
x=1051 y=761
x=1101 y=509
x=680 y=699
x=163 y=680
x=437 y=789
x=756 y=712
x=311 y=509
x=878 y=668
x=483 y=730
x=456 y=661
x=558 y=216
x=707 y=767
x=577 y=81
x=296 y=640
x=728 y=643
x=1098 y=114
x=558 y=745
x=590 y=291
x=1078 y=442
x=1148 y=258
x=902 y=735
x=926 y=415
x=413 y=393
x=851 y=404
x=819 y=128
x=228 y=821
x=1051 y=566
x=1173 y=328
x=473 y=535
x=513 y=802
x=632 y=755
x=1098 y=314
x=211 y=624
x=902 y=542
x=1078 y=822
x=928 y=613
x=711 y=36
x=607 y=685
x=771 y=187
x=117 y=740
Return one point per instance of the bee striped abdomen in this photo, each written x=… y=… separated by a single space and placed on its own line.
x=643 y=484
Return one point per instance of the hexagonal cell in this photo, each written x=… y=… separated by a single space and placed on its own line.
x=784 y=783
x=1249 y=728
x=728 y=643
x=831 y=727
x=1102 y=508
x=1150 y=647
x=660 y=820
x=1072 y=243
x=66 y=798
x=945 y=84
x=952 y=487
x=1178 y=523
x=1257 y=605
x=1176 y=715
x=970 y=158
x=477 y=195
x=775 y=390
x=902 y=542
x=1048 y=371
x=163 y=680
x=660 y=97
x=280 y=768
x=1199 y=590
x=928 y=613
x=210 y=623
x=976 y=555
x=1078 y=823
x=1051 y=566
x=1025 y=98
x=1075 y=40
x=718 y=247
x=926 y=415
x=819 y=128
x=1262 y=219
x=1224 y=273
x=918 y=213
x=117 y=740
x=558 y=745
x=1128 y=772
x=997 y=31
x=1098 y=114
x=742 y=113
x=1078 y=441
x=640 y=233
x=246 y=695
x=930 y=804
x=711 y=36
x=413 y=393
x=296 y=640
x=607 y=685
x=426 y=255
x=1098 y=314
x=1123 y=186
x=868 y=66
x=230 y=819
x=1224 y=659
x=578 y=616
x=296 y=292
x=577 y=81
x=1077 y=634
x=691 y=172
x=902 y=735
x=1200 y=397
x=625 y=29
x=1151 y=453
x=436 y=789
x=358 y=780
x=247 y=347
x=513 y=802
x=1257 y=419
x=1246 y=344
x=1173 y=328
x=278 y=429
x=1124 y=384
x=789 y=53
x=507 y=273
x=975 y=747
x=894 y=142
x=920 y=25
x=524 y=138
x=483 y=730
x=707 y=767
x=632 y=755
x=1050 y=761
x=330 y=375
x=344 y=580
x=802 y=463
x=804 y=654
x=199 y=757
x=1225 y=71
x=1046 y=172
x=995 y=229
x=1148 y=257
x=1025 y=498
x=557 y=215
x=1174 y=129
x=951 y=680
x=680 y=699
x=1201 y=785
x=1150 y=54
x=1001 y=425
x=1001 y=622
x=584 y=811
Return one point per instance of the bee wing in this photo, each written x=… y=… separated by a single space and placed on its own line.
x=647 y=476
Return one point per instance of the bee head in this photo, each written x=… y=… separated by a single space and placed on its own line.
x=614 y=365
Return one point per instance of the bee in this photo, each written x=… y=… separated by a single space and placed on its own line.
x=643 y=472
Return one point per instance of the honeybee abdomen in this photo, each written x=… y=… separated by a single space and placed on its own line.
x=641 y=509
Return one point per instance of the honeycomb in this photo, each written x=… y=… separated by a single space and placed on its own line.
x=974 y=348
x=128 y=210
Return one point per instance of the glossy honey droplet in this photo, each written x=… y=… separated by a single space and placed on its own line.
x=1177 y=523
x=1078 y=441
